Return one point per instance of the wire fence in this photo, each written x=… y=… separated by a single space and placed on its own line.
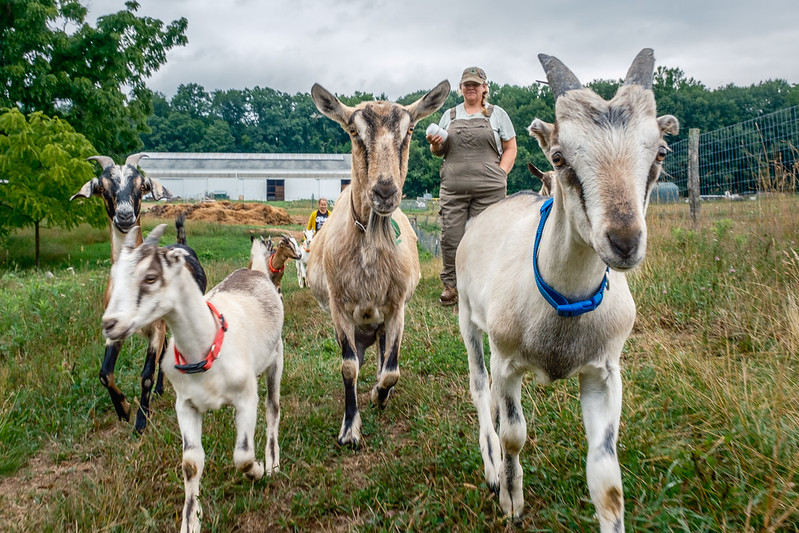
x=749 y=158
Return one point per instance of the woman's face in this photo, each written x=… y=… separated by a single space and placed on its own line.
x=473 y=92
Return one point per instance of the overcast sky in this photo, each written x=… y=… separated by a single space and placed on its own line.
x=395 y=47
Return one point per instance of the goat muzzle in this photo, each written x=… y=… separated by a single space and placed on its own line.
x=384 y=196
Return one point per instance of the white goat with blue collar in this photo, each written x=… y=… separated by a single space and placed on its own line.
x=557 y=304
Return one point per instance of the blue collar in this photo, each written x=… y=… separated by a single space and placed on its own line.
x=561 y=304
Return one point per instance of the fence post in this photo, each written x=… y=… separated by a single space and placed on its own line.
x=693 y=175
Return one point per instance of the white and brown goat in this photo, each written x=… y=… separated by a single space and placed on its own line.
x=270 y=259
x=122 y=188
x=302 y=262
x=365 y=265
x=221 y=342
x=557 y=303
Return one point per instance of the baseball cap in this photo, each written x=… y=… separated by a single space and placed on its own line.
x=473 y=74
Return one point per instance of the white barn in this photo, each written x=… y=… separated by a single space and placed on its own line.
x=256 y=177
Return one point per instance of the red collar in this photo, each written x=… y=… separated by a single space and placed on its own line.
x=273 y=269
x=213 y=353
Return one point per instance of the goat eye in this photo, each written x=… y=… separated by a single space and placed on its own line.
x=353 y=132
x=558 y=160
x=662 y=153
x=149 y=279
x=100 y=189
x=410 y=130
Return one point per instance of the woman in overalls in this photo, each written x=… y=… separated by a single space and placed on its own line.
x=479 y=152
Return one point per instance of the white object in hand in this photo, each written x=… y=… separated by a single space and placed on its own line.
x=435 y=129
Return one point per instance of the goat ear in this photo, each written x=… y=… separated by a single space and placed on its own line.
x=561 y=80
x=669 y=124
x=429 y=103
x=155 y=236
x=176 y=255
x=640 y=72
x=89 y=189
x=542 y=131
x=330 y=106
x=156 y=189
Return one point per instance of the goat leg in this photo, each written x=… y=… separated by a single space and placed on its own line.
x=121 y=405
x=387 y=372
x=147 y=374
x=350 y=433
x=159 y=381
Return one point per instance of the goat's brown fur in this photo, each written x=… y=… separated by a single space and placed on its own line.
x=360 y=270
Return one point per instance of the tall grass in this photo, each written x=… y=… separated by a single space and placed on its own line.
x=709 y=440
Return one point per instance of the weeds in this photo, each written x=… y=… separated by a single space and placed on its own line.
x=709 y=439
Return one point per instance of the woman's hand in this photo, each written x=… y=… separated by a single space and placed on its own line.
x=436 y=144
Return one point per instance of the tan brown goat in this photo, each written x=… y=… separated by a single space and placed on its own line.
x=365 y=264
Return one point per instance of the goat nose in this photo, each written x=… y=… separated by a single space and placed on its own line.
x=385 y=189
x=624 y=245
x=109 y=324
x=125 y=217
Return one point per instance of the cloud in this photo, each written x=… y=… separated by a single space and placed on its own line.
x=395 y=48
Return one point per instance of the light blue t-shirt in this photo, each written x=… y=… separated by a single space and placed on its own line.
x=499 y=120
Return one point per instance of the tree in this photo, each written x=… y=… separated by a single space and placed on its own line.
x=52 y=61
x=42 y=163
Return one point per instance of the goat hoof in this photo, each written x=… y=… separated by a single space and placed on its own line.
x=379 y=397
x=141 y=422
x=256 y=472
x=353 y=444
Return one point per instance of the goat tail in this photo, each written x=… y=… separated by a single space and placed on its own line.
x=181 y=229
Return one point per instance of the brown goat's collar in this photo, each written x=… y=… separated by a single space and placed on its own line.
x=358 y=223
x=213 y=353
x=273 y=269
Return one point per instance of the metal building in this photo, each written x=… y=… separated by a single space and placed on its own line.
x=256 y=177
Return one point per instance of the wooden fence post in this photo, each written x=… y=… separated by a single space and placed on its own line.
x=693 y=175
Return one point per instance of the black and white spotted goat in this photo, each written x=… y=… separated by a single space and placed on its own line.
x=556 y=303
x=220 y=344
x=122 y=188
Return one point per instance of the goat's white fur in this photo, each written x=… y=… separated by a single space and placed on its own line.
x=302 y=262
x=151 y=282
x=609 y=155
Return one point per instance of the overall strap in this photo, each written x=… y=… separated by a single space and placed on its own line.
x=452 y=114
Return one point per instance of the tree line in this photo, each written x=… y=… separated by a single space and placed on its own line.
x=265 y=120
x=69 y=88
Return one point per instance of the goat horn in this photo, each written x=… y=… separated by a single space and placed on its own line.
x=155 y=236
x=130 y=238
x=133 y=159
x=641 y=70
x=561 y=80
x=104 y=160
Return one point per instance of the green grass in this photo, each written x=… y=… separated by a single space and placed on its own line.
x=709 y=440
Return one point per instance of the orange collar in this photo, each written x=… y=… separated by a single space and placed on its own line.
x=273 y=269
x=213 y=353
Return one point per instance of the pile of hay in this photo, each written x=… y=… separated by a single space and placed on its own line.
x=226 y=213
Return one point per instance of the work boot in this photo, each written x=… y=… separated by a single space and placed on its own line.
x=449 y=296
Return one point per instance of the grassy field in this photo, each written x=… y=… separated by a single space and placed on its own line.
x=709 y=440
